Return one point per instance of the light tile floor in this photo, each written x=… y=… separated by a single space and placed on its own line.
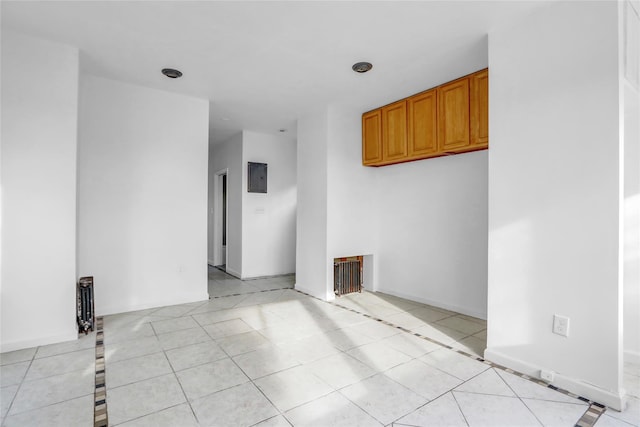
x=259 y=353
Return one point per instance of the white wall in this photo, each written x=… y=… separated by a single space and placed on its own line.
x=631 y=43
x=227 y=156
x=433 y=231
x=269 y=220
x=352 y=216
x=142 y=195
x=554 y=200
x=311 y=221
x=39 y=141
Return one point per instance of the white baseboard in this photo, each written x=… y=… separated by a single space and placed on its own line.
x=71 y=335
x=105 y=311
x=450 y=307
x=211 y=263
x=631 y=356
x=590 y=391
x=233 y=273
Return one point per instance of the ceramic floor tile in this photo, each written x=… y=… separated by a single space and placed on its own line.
x=377 y=330
x=410 y=344
x=226 y=328
x=471 y=345
x=62 y=363
x=143 y=398
x=608 y=421
x=265 y=361
x=331 y=410
x=17 y=356
x=75 y=412
x=130 y=349
x=137 y=369
x=378 y=356
x=6 y=397
x=278 y=421
x=382 y=398
x=309 y=349
x=423 y=379
x=531 y=390
x=183 y=338
x=440 y=333
x=242 y=343
x=454 y=364
x=406 y=320
x=429 y=314
x=443 y=411
x=47 y=391
x=555 y=414
x=194 y=355
x=14 y=373
x=217 y=304
x=630 y=415
x=180 y=415
x=460 y=324
x=136 y=332
x=177 y=310
x=348 y=338
x=242 y=405
x=488 y=382
x=292 y=387
x=171 y=325
x=82 y=343
x=260 y=298
x=494 y=411
x=209 y=378
x=340 y=370
x=284 y=332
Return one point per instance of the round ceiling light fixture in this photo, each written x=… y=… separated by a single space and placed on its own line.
x=362 y=67
x=171 y=73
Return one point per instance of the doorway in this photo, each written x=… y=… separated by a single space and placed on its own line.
x=220 y=229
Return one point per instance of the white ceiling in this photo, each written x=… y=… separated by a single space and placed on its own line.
x=264 y=64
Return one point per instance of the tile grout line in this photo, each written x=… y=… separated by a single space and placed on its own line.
x=100 y=417
x=588 y=419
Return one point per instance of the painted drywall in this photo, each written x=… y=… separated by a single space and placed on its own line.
x=433 y=231
x=554 y=197
x=142 y=195
x=311 y=220
x=352 y=216
x=227 y=156
x=631 y=224
x=269 y=219
x=39 y=142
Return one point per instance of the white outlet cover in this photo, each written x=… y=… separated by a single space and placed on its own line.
x=561 y=325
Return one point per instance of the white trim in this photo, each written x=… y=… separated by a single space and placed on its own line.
x=219 y=257
x=72 y=335
x=609 y=398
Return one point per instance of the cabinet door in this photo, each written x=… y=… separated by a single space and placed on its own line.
x=423 y=125
x=453 y=116
x=480 y=109
x=394 y=131
x=372 y=137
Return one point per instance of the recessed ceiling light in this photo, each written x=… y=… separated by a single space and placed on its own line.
x=362 y=67
x=283 y=130
x=225 y=119
x=171 y=73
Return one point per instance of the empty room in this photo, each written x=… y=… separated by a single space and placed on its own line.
x=320 y=213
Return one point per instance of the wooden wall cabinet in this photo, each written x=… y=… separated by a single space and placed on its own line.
x=423 y=125
x=372 y=137
x=449 y=119
x=394 y=131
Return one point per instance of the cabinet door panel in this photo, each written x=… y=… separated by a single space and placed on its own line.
x=394 y=131
x=480 y=109
x=372 y=137
x=453 y=116
x=423 y=124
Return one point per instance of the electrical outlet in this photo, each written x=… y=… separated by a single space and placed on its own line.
x=548 y=376
x=561 y=325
